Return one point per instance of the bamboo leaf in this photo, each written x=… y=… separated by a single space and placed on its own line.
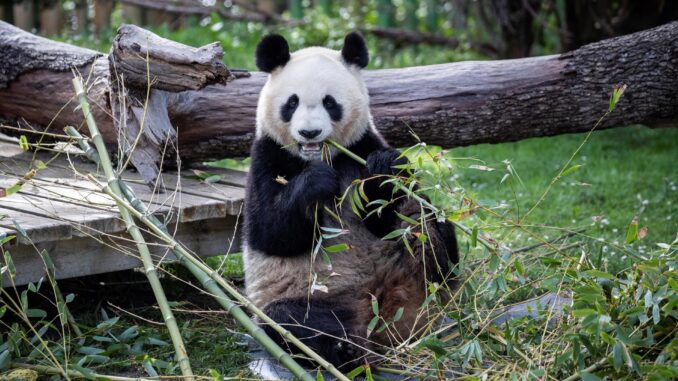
x=399 y=314
x=616 y=95
x=361 y=191
x=337 y=248
x=375 y=305
x=655 y=314
x=600 y=274
x=90 y=350
x=368 y=373
x=107 y=323
x=617 y=355
x=481 y=167
x=474 y=237
x=19 y=229
x=96 y=359
x=36 y=313
x=520 y=268
x=5 y=239
x=407 y=219
x=129 y=333
x=88 y=374
x=212 y=179
x=23 y=143
x=632 y=231
x=5 y=356
x=585 y=376
x=394 y=234
x=355 y=372
x=218 y=377
x=570 y=170
x=372 y=325
x=408 y=247
x=6 y=192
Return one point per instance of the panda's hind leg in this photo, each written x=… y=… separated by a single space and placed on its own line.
x=327 y=328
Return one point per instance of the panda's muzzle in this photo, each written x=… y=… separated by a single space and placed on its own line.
x=309 y=134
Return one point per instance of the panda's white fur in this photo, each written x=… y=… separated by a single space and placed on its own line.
x=310 y=74
x=287 y=189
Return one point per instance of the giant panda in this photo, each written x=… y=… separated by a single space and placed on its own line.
x=311 y=95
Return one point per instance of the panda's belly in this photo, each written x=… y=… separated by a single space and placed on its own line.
x=348 y=273
x=348 y=277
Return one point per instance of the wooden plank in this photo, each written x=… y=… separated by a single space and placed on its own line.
x=84 y=255
x=230 y=195
x=38 y=229
x=84 y=220
x=69 y=194
x=198 y=200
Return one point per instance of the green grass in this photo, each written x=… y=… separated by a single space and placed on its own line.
x=624 y=172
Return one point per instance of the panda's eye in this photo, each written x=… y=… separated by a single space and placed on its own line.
x=288 y=108
x=293 y=101
x=329 y=102
x=333 y=108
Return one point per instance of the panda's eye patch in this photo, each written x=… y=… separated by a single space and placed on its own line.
x=333 y=108
x=329 y=101
x=287 y=109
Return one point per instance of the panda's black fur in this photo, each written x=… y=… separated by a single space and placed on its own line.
x=283 y=209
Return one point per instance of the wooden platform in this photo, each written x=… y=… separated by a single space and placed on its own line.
x=64 y=213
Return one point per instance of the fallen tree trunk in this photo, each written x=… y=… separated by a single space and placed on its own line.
x=450 y=104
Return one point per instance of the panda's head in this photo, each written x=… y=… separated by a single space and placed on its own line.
x=312 y=94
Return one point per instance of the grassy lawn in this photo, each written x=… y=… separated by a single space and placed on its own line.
x=624 y=172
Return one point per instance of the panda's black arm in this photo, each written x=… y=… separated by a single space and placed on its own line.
x=278 y=213
x=380 y=160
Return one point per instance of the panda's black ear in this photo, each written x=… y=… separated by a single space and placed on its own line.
x=354 y=51
x=272 y=52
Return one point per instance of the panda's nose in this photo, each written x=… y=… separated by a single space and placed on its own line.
x=309 y=134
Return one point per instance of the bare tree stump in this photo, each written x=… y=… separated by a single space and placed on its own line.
x=146 y=67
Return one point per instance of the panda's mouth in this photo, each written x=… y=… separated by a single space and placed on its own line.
x=310 y=151
x=310 y=147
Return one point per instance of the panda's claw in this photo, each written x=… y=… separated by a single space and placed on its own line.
x=320 y=182
x=383 y=162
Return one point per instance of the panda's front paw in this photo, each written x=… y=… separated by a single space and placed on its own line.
x=321 y=182
x=383 y=162
x=347 y=355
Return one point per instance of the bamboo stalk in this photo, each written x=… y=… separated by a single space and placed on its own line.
x=133 y=230
x=213 y=282
x=90 y=152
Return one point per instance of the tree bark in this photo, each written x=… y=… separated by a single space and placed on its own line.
x=449 y=105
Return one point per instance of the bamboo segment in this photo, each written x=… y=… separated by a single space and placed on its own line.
x=133 y=229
